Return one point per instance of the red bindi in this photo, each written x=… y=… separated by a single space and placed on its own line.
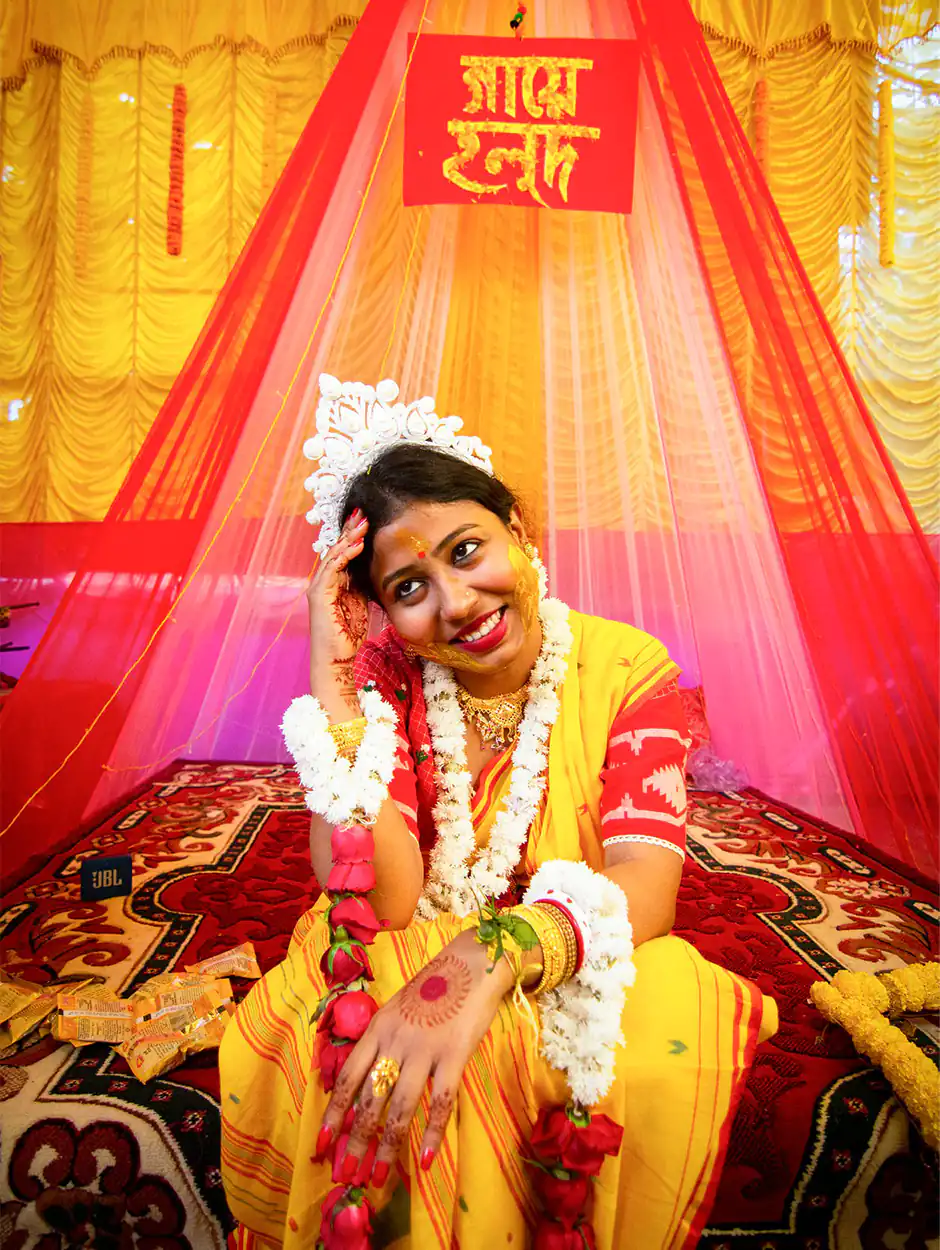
x=434 y=988
x=422 y=555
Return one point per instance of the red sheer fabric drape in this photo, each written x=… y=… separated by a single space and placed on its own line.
x=165 y=516
x=862 y=575
x=731 y=498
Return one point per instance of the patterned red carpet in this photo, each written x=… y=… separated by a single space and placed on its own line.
x=820 y=1154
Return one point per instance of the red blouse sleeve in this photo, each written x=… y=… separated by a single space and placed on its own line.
x=644 y=796
x=374 y=665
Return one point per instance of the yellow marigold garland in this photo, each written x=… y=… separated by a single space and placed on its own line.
x=859 y=1001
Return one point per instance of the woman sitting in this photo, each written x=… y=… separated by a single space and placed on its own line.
x=547 y=1066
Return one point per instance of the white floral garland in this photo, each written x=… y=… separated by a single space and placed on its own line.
x=338 y=791
x=452 y=885
x=581 y=1018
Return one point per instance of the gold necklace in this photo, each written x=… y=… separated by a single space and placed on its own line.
x=497 y=719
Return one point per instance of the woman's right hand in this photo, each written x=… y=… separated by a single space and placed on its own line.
x=339 y=618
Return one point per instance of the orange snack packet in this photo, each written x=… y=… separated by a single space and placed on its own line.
x=15 y=994
x=186 y=1028
x=94 y=1017
x=151 y=1054
x=174 y=1008
x=168 y=981
x=240 y=961
x=212 y=1013
x=31 y=1016
x=221 y=986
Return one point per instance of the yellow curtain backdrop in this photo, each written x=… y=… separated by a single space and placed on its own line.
x=809 y=102
x=96 y=318
x=766 y=27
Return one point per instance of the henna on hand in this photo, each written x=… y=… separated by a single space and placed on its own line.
x=395 y=1133
x=343 y=1089
x=351 y=614
x=437 y=993
x=442 y=1105
x=366 y=1121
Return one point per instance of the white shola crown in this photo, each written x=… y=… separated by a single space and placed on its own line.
x=355 y=424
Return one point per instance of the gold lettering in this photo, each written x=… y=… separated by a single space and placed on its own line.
x=557 y=97
x=467 y=135
x=558 y=157
x=480 y=77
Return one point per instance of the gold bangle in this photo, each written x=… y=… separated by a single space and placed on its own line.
x=535 y=972
x=558 y=943
x=347 y=736
x=569 y=936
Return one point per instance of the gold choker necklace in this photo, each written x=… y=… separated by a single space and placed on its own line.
x=496 y=720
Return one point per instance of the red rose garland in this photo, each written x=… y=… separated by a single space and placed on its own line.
x=569 y=1147
x=343 y=1017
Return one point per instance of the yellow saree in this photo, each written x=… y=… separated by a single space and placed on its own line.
x=690 y=1029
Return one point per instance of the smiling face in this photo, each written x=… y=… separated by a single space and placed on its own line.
x=457 y=586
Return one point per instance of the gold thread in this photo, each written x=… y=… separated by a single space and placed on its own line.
x=404 y=287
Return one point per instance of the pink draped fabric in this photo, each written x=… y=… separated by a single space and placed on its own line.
x=712 y=478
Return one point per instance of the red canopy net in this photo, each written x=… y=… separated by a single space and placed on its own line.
x=663 y=389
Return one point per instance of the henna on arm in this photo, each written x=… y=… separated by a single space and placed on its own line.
x=344 y=677
x=351 y=616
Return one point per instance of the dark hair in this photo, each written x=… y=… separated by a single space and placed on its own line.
x=410 y=473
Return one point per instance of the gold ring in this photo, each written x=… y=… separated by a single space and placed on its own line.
x=384 y=1075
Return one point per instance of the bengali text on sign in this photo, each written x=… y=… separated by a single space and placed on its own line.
x=540 y=122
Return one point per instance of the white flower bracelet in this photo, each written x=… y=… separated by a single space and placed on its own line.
x=334 y=788
x=581 y=1019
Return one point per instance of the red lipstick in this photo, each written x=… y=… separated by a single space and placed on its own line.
x=490 y=641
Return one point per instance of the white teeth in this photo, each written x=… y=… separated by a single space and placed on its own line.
x=486 y=628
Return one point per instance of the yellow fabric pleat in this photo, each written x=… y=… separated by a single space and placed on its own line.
x=492 y=359
x=765 y=27
x=92 y=31
x=690 y=1029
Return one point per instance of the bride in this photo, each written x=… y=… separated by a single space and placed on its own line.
x=483 y=1033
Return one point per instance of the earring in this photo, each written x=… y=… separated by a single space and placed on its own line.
x=530 y=551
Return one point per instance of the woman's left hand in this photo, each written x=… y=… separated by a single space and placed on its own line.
x=430 y=1028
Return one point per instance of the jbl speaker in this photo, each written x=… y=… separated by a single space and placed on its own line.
x=106 y=877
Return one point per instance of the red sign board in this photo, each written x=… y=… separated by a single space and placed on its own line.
x=548 y=122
